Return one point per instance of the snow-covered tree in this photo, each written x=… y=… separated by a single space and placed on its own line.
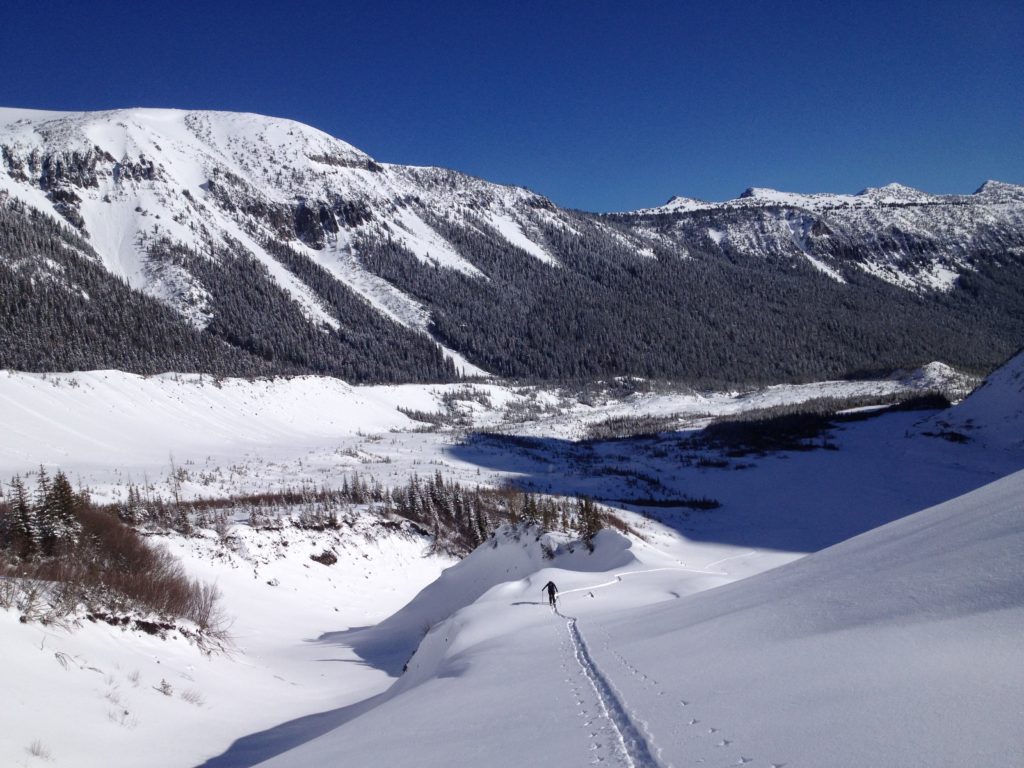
x=57 y=504
x=27 y=535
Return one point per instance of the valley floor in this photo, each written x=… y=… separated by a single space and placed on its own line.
x=709 y=638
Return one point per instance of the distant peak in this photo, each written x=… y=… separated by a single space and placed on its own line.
x=677 y=204
x=679 y=201
x=894 y=192
x=993 y=187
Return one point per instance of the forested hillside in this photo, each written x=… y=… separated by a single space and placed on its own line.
x=61 y=311
x=692 y=314
x=237 y=244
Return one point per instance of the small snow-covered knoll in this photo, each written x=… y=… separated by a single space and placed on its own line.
x=993 y=414
x=513 y=553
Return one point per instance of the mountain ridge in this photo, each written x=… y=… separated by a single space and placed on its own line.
x=496 y=278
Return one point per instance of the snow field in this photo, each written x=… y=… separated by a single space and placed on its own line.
x=898 y=647
x=91 y=695
x=894 y=648
x=109 y=428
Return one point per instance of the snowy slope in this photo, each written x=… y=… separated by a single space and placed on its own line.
x=993 y=414
x=129 y=177
x=898 y=647
x=496 y=679
x=90 y=696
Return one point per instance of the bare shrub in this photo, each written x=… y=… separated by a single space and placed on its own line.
x=204 y=606
x=8 y=589
x=40 y=750
x=109 y=567
x=192 y=696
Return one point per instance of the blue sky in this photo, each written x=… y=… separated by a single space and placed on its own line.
x=599 y=105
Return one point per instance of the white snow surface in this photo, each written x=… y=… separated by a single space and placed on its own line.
x=994 y=412
x=90 y=695
x=897 y=647
x=513 y=232
x=701 y=637
x=109 y=428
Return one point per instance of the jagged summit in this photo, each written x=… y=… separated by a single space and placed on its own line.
x=890 y=194
x=680 y=203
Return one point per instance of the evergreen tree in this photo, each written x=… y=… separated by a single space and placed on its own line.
x=27 y=534
x=589 y=521
x=62 y=504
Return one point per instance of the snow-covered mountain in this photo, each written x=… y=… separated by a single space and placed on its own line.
x=129 y=177
x=308 y=255
x=902 y=235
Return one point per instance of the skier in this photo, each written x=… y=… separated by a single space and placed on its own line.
x=552 y=589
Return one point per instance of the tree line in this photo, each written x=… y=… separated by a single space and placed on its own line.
x=457 y=518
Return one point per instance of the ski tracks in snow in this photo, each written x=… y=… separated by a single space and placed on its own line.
x=618 y=736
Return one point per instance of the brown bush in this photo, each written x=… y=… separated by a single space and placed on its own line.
x=110 y=568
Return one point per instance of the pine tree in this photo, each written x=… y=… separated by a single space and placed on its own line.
x=480 y=517
x=62 y=504
x=530 y=516
x=27 y=535
x=589 y=521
